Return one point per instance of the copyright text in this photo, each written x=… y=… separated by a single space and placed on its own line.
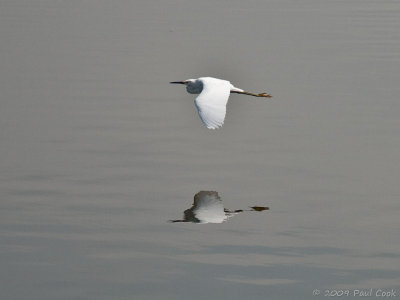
x=359 y=293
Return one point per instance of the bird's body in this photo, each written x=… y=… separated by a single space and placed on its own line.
x=208 y=208
x=213 y=98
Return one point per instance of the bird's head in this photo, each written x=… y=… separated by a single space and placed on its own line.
x=193 y=86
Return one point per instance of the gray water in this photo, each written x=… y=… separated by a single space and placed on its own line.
x=98 y=152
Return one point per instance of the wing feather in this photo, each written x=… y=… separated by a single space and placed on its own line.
x=208 y=207
x=211 y=102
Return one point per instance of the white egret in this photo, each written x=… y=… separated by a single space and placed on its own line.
x=214 y=94
x=208 y=208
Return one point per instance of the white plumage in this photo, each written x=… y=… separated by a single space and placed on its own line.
x=208 y=208
x=213 y=98
x=212 y=101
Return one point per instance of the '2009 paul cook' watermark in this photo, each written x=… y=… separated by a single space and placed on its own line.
x=376 y=293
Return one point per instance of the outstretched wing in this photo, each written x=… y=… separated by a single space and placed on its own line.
x=208 y=207
x=211 y=103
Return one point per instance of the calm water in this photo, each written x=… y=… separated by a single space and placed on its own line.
x=98 y=152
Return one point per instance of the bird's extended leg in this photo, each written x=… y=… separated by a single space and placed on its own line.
x=252 y=94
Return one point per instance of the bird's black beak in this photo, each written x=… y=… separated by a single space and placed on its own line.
x=178 y=82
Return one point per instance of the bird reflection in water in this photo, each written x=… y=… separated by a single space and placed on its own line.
x=208 y=208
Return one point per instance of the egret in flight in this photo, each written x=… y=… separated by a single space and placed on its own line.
x=213 y=97
x=208 y=208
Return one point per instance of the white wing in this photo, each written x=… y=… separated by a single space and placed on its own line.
x=211 y=103
x=208 y=208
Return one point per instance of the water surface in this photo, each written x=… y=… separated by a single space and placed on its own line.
x=99 y=152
